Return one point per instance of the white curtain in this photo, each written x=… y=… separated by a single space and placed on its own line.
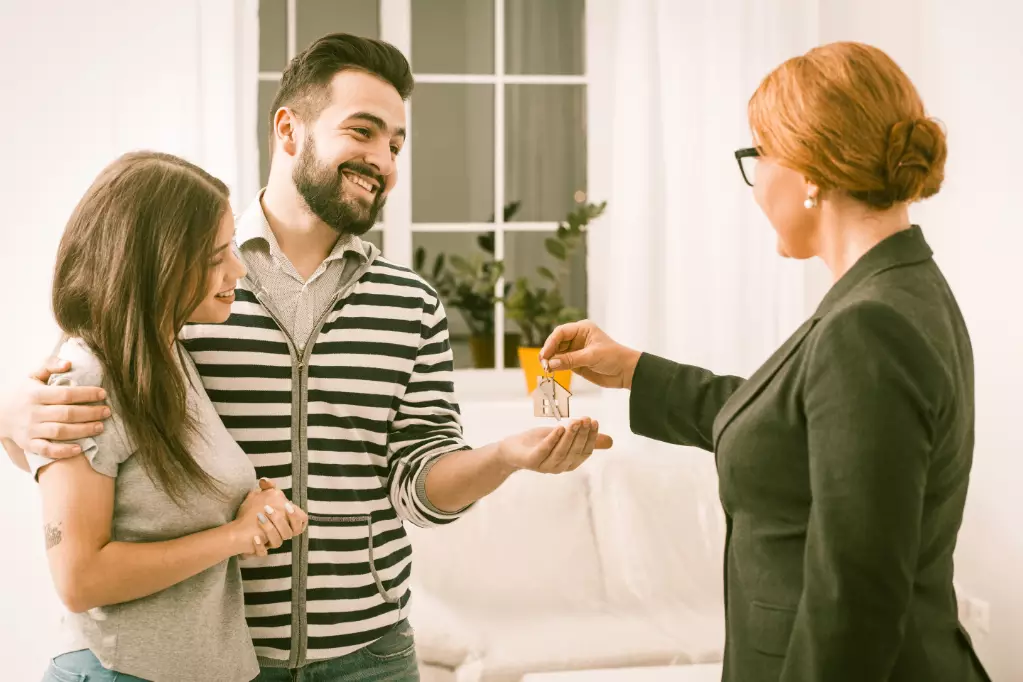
x=684 y=265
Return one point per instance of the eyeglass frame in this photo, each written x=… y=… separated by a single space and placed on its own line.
x=746 y=153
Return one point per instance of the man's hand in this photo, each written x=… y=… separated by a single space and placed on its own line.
x=35 y=415
x=585 y=349
x=553 y=450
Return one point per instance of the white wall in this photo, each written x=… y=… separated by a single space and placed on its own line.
x=965 y=58
x=81 y=84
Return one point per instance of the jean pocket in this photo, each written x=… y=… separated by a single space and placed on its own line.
x=770 y=628
x=398 y=642
x=54 y=673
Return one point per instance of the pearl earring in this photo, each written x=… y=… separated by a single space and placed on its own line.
x=811 y=202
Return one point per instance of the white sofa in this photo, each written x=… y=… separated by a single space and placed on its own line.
x=615 y=565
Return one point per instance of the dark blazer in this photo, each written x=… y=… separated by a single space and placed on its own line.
x=843 y=465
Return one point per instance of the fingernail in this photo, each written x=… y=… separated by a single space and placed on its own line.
x=268 y=509
x=288 y=508
x=262 y=519
x=553 y=364
x=76 y=449
x=258 y=540
x=103 y=396
x=98 y=428
x=106 y=411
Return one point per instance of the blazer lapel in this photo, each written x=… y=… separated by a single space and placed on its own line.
x=752 y=386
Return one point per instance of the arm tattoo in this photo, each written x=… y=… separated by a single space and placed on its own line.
x=53 y=535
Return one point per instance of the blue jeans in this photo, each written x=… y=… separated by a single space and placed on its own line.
x=392 y=658
x=83 y=666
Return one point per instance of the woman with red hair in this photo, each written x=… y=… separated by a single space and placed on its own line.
x=844 y=460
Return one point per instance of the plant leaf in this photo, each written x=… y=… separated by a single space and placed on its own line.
x=461 y=264
x=556 y=248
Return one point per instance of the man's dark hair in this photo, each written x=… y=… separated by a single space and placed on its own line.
x=305 y=84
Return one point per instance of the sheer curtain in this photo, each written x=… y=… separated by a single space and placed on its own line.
x=684 y=264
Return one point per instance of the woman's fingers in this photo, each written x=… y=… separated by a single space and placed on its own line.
x=259 y=547
x=273 y=537
x=297 y=518
x=280 y=522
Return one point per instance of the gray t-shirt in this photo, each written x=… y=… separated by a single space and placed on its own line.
x=194 y=630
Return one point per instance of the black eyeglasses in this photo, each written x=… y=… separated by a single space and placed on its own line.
x=747 y=159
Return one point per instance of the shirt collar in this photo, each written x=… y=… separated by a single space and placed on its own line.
x=902 y=248
x=252 y=225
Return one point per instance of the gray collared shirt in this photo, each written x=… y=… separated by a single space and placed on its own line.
x=299 y=302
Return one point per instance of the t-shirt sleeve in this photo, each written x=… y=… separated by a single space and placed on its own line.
x=105 y=451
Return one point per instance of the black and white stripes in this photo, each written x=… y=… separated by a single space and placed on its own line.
x=346 y=429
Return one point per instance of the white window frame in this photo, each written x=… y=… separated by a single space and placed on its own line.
x=397 y=225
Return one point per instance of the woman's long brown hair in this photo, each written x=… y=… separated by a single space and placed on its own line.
x=132 y=266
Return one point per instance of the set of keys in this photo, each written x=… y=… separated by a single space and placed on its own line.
x=551 y=402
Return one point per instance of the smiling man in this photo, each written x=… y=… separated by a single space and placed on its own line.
x=333 y=374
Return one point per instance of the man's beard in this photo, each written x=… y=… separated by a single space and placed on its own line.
x=322 y=188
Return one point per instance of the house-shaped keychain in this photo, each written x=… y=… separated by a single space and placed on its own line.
x=550 y=399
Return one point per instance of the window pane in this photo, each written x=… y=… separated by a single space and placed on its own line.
x=267 y=91
x=452 y=153
x=544 y=37
x=524 y=253
x=273 y=35
x=470 y=315
x=545 y=149
x=375 y=236
x=453 y=36
x=317 y=18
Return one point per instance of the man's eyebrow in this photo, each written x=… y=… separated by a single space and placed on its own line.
x=377 y=121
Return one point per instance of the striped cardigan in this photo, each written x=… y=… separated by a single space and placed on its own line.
x=347 y=428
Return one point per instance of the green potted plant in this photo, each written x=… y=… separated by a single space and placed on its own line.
x=537 y=310
x=469 y=285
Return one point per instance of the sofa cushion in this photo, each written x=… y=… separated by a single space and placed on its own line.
x=526 y=548
x=513 y=647
x=659 y=527
x=701 y=672
x=442 y=638
x=432 y=673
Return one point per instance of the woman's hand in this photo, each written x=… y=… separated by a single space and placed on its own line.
x=583 y=348
x=553 y=450
x=266 y=519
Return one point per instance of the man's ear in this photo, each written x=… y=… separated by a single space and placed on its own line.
x=287 y=128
